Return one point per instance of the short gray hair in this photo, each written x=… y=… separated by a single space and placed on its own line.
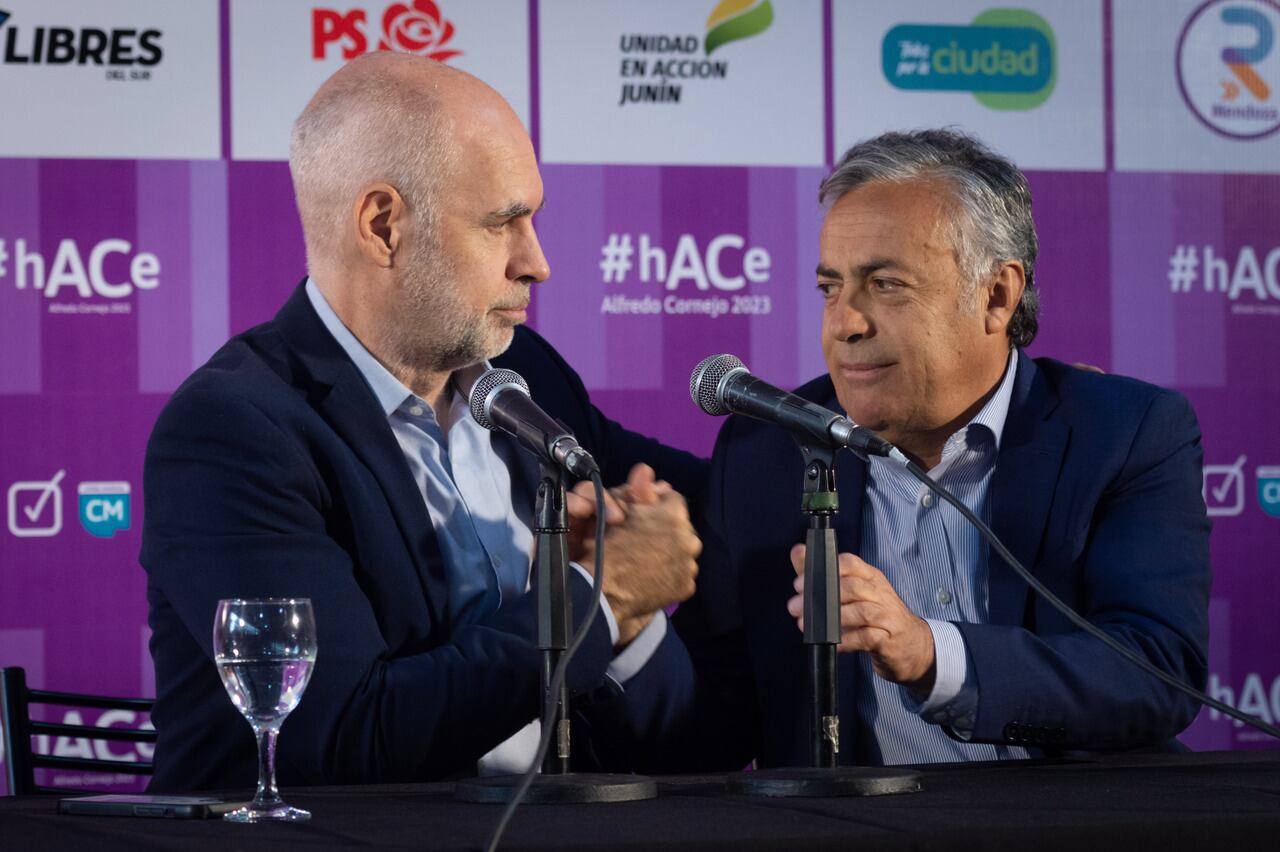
x=372 y=124
x=991 y=200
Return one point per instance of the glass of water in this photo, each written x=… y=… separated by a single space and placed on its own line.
x=265 y=649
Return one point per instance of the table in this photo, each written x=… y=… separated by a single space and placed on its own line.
x=1219 y=800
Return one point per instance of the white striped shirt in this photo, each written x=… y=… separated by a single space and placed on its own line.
x=937 y=563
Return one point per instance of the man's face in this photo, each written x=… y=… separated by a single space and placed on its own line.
x=467 y=287
x=908 y=353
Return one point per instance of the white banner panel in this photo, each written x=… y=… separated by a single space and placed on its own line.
x=1027 y=79
x=130 y=79
x=681 y=82
x=281 y=51
x=1197 y=85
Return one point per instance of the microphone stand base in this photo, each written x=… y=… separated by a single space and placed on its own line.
x=815 y=783
x=570 y=788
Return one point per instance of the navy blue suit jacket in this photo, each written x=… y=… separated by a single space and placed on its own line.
x=273 y=472
x=1096 y=489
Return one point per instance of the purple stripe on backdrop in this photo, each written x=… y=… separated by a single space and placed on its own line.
x=771 y=203
x=86 y=202
x=20 y=310
x=210 y=298
x=224 y=73
x=535 y=121
x=565 y=309
x=1200 y=319
x=1108 y=90
x=808 y=226
x=164 y=314
x=634 y=198
x=828 y=88
x=1142 y=314
x=264 y=241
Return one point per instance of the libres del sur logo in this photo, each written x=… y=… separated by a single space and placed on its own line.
x=1007 y=58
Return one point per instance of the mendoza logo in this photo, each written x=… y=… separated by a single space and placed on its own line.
x=1229 y=67
x=59 y=45
x=661 y=62
x=416 y=27
x=1006 y=57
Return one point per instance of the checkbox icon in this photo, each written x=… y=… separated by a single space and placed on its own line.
x=1223 y=489
x=35 y=508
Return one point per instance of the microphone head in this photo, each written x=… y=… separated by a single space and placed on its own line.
x=707 y=379
x=486 y=387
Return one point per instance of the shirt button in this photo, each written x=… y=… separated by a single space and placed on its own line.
x=926 y=500
x=944 y=597
x=416 y=411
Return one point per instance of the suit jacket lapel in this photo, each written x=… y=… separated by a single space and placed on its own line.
x=1023 y=486
x=345 y=401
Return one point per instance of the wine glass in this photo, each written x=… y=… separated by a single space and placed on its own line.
x=264 y=649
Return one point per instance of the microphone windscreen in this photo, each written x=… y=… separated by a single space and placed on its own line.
x=704 y=384
x=483 y=389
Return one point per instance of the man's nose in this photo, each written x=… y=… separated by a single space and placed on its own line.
x=527 y=262
x=848 y=322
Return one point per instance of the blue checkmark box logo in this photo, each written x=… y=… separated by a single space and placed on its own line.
x=35 y=508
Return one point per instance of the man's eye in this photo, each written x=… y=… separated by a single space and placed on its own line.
x=828 y=288
x=884 y=285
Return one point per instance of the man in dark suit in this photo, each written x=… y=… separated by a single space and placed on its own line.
x=328 y=454
x=926 y=278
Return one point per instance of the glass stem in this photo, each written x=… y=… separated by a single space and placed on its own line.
x=267 y=794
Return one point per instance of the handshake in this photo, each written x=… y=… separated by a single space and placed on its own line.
x=650 y=547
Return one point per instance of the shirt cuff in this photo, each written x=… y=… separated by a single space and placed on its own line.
x=609 y=618
x=954 y=699
x=638 y=652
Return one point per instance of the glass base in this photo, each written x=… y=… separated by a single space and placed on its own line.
x=267 y=813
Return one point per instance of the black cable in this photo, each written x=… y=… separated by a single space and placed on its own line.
x=557 y=678
x=1079 y=620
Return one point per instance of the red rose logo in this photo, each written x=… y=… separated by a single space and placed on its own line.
x=417 y=28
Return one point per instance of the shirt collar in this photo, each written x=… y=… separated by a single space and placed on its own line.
x=389 y=390
x=996 y=411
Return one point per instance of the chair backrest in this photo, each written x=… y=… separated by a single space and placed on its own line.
x=21 y=759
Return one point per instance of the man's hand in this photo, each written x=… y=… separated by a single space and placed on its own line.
x=650 y=553
x=874 y=619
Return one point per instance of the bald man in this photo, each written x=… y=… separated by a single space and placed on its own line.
x=328 y=454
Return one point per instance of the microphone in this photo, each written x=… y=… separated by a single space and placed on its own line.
x=499 y=400
x=722 y=383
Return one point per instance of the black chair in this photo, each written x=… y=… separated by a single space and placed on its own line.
x=21 y=761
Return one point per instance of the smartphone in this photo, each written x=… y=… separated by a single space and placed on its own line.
x=168 y=807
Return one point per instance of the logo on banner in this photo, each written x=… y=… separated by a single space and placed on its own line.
x=662 y=64
x=109 y=270
x=1223 y=489
x=35 y=508
x=126 y=53
x=1269 y=490
x=104 y=507
x=1229 y=67
x=416 y=27
x=1007 y=58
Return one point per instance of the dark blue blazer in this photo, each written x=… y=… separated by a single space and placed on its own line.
x=1096 y=489
x=273 y=472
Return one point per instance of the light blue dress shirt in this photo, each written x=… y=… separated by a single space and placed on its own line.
x=937 y=563
x=485 y=537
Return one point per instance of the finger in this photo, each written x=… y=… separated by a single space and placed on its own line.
x=859 y=589
x=641 y=484
x=797 y=558
x=580 y=503
x=795 y=607
x=862 y=639
x=852 y=565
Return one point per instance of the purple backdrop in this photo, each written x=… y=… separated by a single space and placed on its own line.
x=1172 y=278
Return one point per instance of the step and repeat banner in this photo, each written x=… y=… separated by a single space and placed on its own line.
x=146 y=214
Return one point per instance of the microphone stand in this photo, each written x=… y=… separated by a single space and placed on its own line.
x=822 y=779
x=557 y=784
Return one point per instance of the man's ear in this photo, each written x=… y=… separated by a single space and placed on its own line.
x=380 y=221
x=1003 y=294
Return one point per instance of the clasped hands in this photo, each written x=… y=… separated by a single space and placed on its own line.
x=650 y=551
x=874 y=619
